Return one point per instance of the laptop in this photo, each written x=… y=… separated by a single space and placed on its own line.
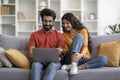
x=45 y=55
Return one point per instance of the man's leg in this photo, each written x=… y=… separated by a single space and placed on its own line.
x=51 y=71
x=36 y=70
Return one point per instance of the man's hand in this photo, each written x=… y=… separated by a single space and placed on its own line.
x=60 y=53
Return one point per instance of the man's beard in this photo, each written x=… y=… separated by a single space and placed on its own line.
x=47 y=27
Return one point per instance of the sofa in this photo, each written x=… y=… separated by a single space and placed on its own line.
x=21 y=44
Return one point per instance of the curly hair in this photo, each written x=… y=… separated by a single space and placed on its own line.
x=48 y=12
x=77 y=25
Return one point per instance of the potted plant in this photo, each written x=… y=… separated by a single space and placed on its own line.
x=112 y=29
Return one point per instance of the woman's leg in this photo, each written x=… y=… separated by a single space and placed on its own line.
x=97 y=62
x=75 y=47
x=51 y=71
x=36 y=70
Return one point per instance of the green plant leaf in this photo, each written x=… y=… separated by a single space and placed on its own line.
x=119 y=26
x=114 y=28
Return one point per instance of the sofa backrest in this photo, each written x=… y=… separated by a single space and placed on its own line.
x=21 y=43
x=96 y=40
x=14 y=42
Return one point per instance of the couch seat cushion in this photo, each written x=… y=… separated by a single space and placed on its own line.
x=104 y=73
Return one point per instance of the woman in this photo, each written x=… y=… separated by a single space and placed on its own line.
x=77 y=48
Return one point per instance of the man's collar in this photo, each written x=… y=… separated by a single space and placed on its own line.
x=48 y=32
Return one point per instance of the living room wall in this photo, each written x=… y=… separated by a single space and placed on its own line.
x=109 y=12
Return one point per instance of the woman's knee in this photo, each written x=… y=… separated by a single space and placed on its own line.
x=79 y=36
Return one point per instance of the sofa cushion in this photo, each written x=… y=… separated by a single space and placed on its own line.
x=17 y=58
x=104 y=73
x=1 y=64
x=61 y=75
x=4 y=59
x=97 y=40
x=112 y=51
x=14 y=74
x=24 y=74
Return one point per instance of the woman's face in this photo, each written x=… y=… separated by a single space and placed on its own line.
x=66 y=25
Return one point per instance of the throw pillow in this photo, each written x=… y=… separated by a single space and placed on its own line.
x=1 y=64
x=112 y=51
x=17 y=58
x=4 y=59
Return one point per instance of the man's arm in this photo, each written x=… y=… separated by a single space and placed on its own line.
x=61 y=44
x=31 y=46
x=30 y=54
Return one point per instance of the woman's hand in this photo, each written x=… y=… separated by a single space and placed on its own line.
x=76 y=57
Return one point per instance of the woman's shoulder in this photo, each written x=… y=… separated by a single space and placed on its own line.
x=66 y=33
x=82 y=30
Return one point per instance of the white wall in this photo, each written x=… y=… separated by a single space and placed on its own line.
x=108 y=13
x=0 y=19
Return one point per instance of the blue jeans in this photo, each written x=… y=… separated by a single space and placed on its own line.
x=51 y=68
x=76 y=46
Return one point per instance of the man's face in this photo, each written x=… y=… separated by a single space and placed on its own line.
x=47 y=22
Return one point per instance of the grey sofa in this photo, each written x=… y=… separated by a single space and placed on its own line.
x=21 y=44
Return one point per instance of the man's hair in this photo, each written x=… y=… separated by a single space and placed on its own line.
x=48 y=12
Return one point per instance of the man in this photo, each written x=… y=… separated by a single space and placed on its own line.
x=46 y=38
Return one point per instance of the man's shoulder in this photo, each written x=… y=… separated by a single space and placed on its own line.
x=36 y=32
x=58 y=34
x=83 y=31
